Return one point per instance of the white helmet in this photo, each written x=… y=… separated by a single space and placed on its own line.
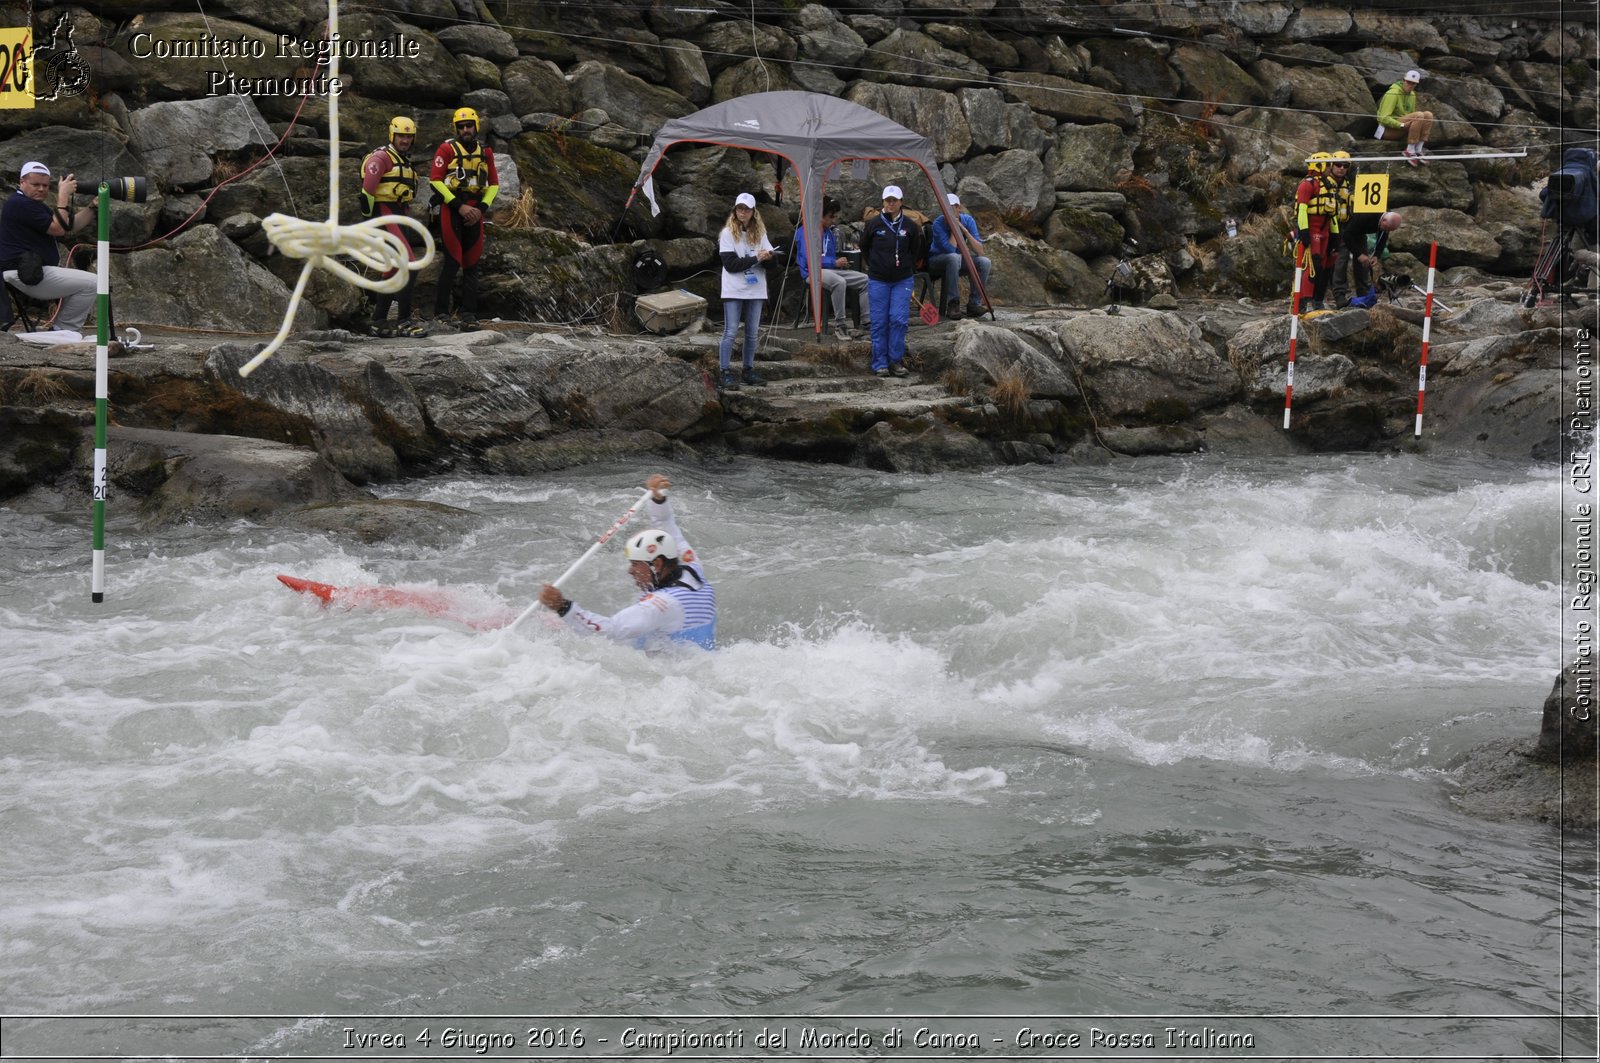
x=651 y=544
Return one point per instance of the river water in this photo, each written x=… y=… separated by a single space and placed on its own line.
x=1138 y=760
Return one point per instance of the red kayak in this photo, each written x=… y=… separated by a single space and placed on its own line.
x=442 y=603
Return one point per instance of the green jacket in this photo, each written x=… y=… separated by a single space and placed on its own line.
x=1396 y=102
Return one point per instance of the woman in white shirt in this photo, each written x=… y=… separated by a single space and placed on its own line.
x=745 y=251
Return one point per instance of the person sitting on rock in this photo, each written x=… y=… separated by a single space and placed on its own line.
x=1398 y=111
x=29 y=228
x=944 y=261
x=838 y=283
x=388 y=184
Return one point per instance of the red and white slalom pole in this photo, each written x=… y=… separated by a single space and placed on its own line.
x=1427 y=329
x=1294 y=332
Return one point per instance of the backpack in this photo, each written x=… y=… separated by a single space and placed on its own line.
x=1570 y=196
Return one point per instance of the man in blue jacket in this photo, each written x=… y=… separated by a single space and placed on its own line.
x=890 y=242
x=838 y=282
x=944 y=261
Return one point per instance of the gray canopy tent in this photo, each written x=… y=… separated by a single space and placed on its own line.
x=815 y=135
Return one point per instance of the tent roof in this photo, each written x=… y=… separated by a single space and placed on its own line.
x=773 y=121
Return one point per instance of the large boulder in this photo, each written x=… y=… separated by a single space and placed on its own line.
x=997 y=125
x=1089 y=157
x=1012 y=182
x=536 y=86
x=434 y=76
x=1209 y=76
x=201 y=279
x=822 y=38
x=623 y=389
x=332 y=392
x=603 y=86
x=177 y=139
x=1338 y=91
x=909 y=57
x=1070 y=101
x=212 y=478
x=1461 y=240
x=1144 y=364
x=933 y=113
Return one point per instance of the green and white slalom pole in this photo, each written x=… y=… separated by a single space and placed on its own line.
x=102 y=374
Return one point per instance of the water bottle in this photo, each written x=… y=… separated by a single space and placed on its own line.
x=1232 y=227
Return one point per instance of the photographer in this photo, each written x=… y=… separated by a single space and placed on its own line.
x=28 y=232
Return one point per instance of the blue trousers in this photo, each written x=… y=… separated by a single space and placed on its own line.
x=733 y=312
x=890 y=304
x=950 y=267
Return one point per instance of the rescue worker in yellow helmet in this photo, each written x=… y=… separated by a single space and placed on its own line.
x=1343 y=173
x=1316 y=206
x=388 y=185
x=465 y=182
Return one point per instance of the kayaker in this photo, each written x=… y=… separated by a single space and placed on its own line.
x=678 y=603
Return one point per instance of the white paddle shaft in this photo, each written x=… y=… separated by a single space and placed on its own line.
x=605 y=537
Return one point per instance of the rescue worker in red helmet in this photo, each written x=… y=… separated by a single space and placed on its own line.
x=388 y=185
x=465 y=183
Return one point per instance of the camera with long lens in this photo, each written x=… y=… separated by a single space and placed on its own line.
x=126 y=189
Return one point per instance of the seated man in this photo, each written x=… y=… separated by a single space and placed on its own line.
x=837 y=283
x=944 y=261
x=28 y=225
x=1398 y=111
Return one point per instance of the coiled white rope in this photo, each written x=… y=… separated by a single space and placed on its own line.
x=367 y=242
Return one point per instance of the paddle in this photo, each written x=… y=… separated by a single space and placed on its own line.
x=605 y=537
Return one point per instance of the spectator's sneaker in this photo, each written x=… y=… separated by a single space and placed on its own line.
x=881 y=374
x=467 y=323
x=730 y=382
x=381 y=330
x=411 y=327
x=1411 y=156
x=841 y=332
x=952 y=311
x=753 y=378
x=975 y=310
x=899 y=369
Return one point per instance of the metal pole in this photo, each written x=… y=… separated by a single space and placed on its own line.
x=102 y=391
x=1427 y=328
x=1294 y=332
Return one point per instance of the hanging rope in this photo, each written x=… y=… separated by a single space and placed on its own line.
x=320 y=244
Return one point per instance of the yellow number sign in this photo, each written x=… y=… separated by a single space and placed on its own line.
x=1372 y=194
x=16 y=68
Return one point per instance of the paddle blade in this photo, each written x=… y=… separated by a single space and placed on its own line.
x=930 y=313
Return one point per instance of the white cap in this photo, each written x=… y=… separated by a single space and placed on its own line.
x=892 y=192
x=955 y=200
x=34 y=167
x=1413 y=75
x=745 y=199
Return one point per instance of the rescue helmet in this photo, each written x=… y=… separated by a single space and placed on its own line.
x=1318 y=162
x=400 y=125
x=1341 y=154
x=465 y=114
x=651 y=544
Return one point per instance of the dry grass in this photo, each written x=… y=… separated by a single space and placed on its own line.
x=41 y=385
x=522 y=215
x=845 y=356
x=956 y=383
x=1012 y=390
